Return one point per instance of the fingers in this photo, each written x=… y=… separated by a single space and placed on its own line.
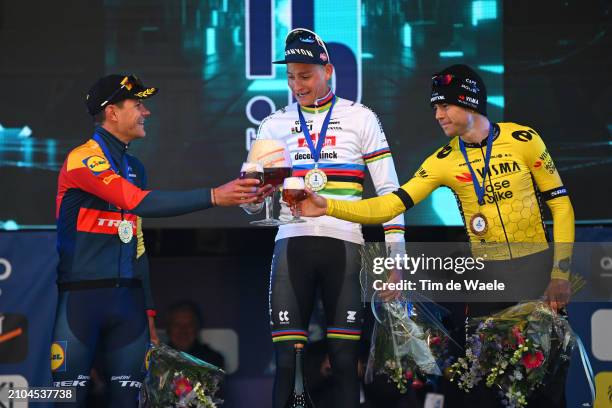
x=247 y=182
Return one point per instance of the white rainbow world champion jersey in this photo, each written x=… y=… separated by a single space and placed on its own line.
x=355 y=139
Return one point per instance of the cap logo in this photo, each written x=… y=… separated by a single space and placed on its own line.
x=307 y=40
x=126 y=83
x=301 y=51
x=323 y=56
x=146 y=93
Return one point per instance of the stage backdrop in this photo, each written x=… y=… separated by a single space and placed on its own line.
x=543 y=63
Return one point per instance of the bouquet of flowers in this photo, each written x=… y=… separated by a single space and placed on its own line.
x=409 y=342
x=516 y=350
x=409 y=345
x=177 y=379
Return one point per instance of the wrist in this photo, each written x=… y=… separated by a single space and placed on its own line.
x=212 y=197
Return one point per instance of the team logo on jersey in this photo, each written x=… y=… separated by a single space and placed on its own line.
x=97 y=164
x=58 y=356
x=329 y=141
x=444 y=152
x=350 y=316
x=545 y=162
x=283 y=316
x=523 y=135
x=464 y=177
x=421 y=172
x=501 y=168
x=298 y=128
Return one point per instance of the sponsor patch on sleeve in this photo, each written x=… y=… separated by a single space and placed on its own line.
x=97 y=164
x=554 y=193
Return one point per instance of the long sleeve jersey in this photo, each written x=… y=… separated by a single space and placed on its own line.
x=521 y=174
x=355 y=140
x=93 y=198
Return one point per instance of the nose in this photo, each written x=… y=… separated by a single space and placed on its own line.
x=296 y=84
x=438 y=112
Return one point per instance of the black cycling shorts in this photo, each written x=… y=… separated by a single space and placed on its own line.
x=300 y=266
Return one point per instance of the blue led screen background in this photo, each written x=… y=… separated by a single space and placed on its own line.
x=545 y=65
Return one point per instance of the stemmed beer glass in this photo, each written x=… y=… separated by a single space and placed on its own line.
x=293 y=193
x=273 y=155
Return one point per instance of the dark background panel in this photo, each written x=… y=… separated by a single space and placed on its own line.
x=555 y=57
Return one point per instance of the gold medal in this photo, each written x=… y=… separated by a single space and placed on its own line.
x=479 y=224
x=315 y=179
x=125 y=231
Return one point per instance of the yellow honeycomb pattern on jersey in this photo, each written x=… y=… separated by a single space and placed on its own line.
x=511 y=209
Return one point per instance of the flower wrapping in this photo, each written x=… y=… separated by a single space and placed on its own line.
x=516 y=350
x=409 y=345
x=409 y=342
x=177 y=379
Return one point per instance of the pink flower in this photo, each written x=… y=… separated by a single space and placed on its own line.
x=435 y=340
x=408 y=375
x=516 y=332
x=182 y=386
x=533 y=360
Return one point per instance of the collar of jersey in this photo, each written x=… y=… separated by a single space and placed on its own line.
x=322 y=107
x=496 y=132
x=115 y=146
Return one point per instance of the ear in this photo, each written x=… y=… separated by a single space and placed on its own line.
x=110 y=113
x=329 y=70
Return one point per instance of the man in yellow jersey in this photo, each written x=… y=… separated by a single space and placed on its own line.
x=499 y=173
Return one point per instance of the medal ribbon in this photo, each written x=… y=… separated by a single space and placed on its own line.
x=480 y=190
x=316 y=152
x=109 y=157
x=125 y=173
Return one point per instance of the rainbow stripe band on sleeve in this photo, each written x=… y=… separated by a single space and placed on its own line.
x=343 y=334
x=289 y=335
x=377 y=155
x=394 y=229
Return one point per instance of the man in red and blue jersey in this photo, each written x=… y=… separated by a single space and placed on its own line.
x=105 y=302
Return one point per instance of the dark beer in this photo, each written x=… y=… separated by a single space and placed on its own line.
x=252 y=171
x=253 y=175
x=275 y=175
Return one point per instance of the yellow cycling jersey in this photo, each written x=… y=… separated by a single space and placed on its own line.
x=521 y=174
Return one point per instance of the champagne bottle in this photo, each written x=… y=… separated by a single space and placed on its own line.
x=299 y=397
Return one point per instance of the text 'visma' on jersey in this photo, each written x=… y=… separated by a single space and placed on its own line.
x=512 y=201
x=89 y=201
x=354 y=140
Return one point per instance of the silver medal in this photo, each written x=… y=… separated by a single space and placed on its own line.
x=125 y=231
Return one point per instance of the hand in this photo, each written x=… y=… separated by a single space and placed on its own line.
x=264 y=192
x=557 y=293
x=152 y=330
x=313 y=206
x=238 y=191
x=387 y=295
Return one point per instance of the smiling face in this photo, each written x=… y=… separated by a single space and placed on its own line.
x=308 y=82
x=126 y=120
x=454 y=120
